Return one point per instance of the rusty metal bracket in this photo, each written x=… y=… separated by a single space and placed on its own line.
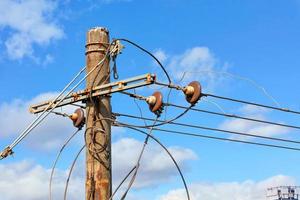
x=116 y=48
x=106 y=89
x=6 y=152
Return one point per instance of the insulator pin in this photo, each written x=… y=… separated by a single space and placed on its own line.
x=192 y=92
x=151 y=100
x=78 y=118
x=155 y=102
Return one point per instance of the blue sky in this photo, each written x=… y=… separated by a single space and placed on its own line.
x=234 y=48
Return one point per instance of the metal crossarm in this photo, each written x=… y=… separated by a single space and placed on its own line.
x=126 y=84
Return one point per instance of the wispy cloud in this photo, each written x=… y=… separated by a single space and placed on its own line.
x=30 y=23
x=197 y=63
x=156 y=166
x=32 y=179
x=45 y=137
x=246 y=190
x=249 y=127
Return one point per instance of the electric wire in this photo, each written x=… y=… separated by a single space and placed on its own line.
x=60 y=114
x=233 y=99
x=168 y=100
x=150 y=54
x=70 y=172
x=211 y=129
x=80 y=106
x=163 y=122
x=46 y=112
x=137 y=166
x=27 y=129
x=92 y=146
x=254 y=83
x=225 y=139
x=122 y=182
x=215 y=104
x=139 y=107
x=234 y=116
x=56 y=160
x=251 y=103
x=87 y=129
x=165 y=148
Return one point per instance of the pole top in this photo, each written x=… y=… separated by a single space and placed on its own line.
x=99 y=28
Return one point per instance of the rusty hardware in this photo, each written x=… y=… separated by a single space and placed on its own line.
x=78 y=118
x=116 y=48
x=6 y=152
x=102 y=90
x=192 y=92
x=121 y=84
x=155 y=102
x=151 y=78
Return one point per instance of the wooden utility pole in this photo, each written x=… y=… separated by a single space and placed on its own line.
x=98 y=110
x=98 y=133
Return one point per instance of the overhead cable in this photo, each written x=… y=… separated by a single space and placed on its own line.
x=177 y=87
x=224 y=139
x=137 y=166
x=234 y=116
x=122 y=182
x=164 y=147
x=71 y=170
x=56 y=160
x=251 y=103
x=52 y=105
x=163 y=122
x=211 y=129
x=150 y=54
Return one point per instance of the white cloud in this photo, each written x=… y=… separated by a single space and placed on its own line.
x=250 y=127
x=31 y=23
x=32 y=180
x=46 y=136
x=197 y=63
x=156 y=166
x=160 y=55
x=247 y=190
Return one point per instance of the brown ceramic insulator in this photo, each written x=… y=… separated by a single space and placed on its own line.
x=192 y=99
x=78 y=118
x=158 y=104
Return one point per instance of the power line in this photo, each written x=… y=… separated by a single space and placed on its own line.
x=210 y=129
x=162 y=122
x=52 y=105
x=71 y=170
x=251 y=103
x=254 y=83
x=177 y=87
x=29 y=128
x=165 y=148
x=121 y=183
x=234 y=116
x=150 y=54
x=224 y=139
x=56 y=160
x=137 y=166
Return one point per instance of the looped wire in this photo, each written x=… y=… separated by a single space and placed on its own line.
x=116 y=75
